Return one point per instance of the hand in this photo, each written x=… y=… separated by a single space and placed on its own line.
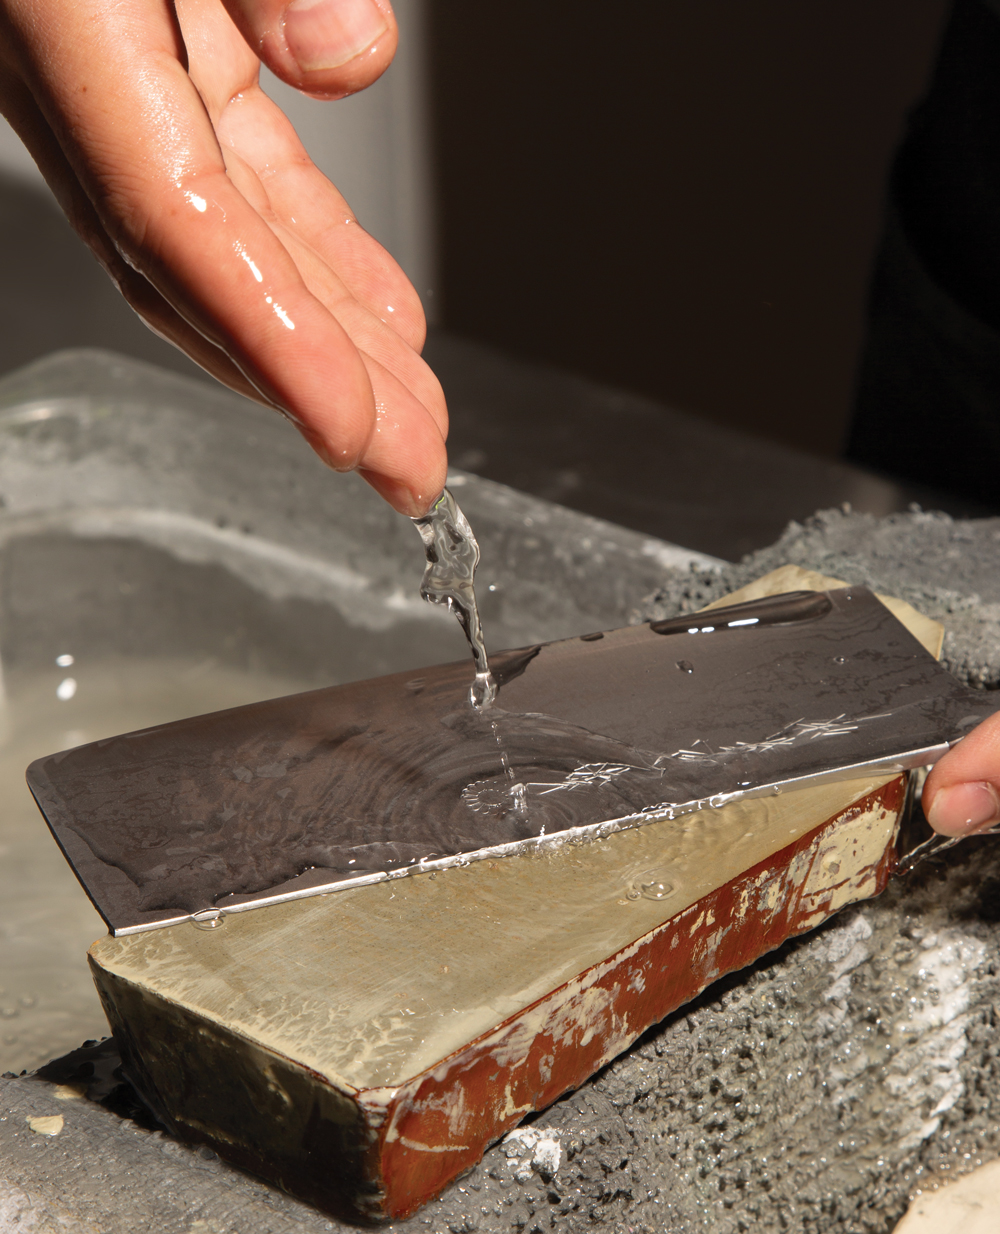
x=190 y=185
x=962 y=792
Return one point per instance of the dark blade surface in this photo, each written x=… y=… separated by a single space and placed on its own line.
x=355 y=783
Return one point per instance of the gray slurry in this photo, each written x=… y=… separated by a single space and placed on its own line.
x=816 y=1091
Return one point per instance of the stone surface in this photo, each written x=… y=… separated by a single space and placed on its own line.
x=816 y=1091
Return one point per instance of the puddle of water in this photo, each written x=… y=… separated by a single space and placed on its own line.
x=48 y=1004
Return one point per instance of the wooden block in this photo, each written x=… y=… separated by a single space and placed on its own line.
x=361 y=1049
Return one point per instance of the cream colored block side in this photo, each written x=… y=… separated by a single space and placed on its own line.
x=370 y=987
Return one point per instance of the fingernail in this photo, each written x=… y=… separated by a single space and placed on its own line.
x=324 y=34
x=964 y=809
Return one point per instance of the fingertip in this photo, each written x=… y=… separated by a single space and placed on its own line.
x=327 y=34
x=403 y=498
x=342 y=456
x=326 y=48
x=964 y=809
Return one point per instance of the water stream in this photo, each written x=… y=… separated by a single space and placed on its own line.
x=452 y=554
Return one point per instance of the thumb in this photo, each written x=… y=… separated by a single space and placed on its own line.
x=327 y=48
x=962 y=793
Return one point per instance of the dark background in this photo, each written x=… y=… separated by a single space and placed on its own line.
x=677 y=197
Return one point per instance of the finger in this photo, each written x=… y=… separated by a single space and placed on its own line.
x=405 y=459
x=160 y=188
x=255 y=128
x=962 y=792
x=24 y=116
x=328 y=48
x=374 y=333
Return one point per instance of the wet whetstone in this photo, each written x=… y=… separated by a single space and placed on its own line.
x=693 y=1128
x=366 y=1047
x=795 y=1096
x=407 y=1105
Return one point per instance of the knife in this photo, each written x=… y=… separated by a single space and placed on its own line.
x=358 y=783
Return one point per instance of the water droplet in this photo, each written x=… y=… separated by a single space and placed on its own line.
x=685 y=666
x=655 y=890
x=64 y=661
x=840 y=659
x=649 y=886
x=416 y=685
x=483 y=691
x=66 y=689
x=207 y=919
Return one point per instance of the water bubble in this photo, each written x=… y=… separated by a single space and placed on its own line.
x=655 y=890
x=685 y=666
x=840 y=659
x=649 y=887
x=65 y=661
x=416 y=685
x=66 y=689
x=208 y=919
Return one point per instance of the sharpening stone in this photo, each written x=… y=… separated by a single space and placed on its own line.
x=361 y=1048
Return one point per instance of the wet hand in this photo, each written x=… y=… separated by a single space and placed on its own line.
x=962 y=792
x=191 y=187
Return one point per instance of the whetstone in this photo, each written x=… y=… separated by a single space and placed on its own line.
x=362 y=1049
